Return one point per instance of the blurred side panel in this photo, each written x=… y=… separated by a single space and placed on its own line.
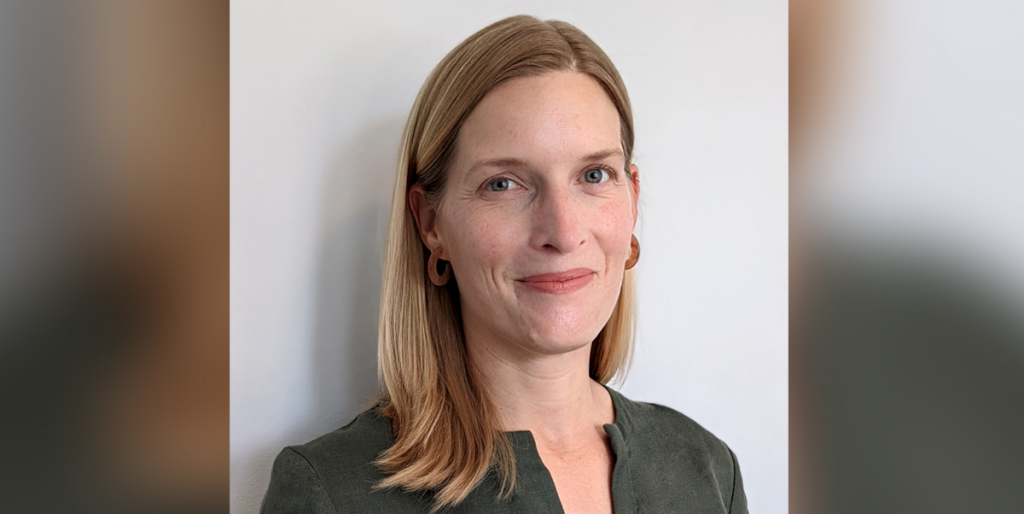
x=907 y=357
x=114 y=256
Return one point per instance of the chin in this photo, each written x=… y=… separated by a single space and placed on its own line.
x=557 y=346
x=563 y=328
x=555 y=338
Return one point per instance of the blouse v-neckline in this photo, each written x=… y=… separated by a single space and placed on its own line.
x=533 y=477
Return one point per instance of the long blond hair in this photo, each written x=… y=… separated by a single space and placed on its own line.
x=446 y=432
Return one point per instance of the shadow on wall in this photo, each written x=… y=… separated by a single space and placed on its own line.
x=356 y=196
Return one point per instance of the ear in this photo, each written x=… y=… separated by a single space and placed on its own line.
x=425 y=216
x=634 y=177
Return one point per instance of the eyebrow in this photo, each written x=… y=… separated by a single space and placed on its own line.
x=603 y=154
x=512 y=162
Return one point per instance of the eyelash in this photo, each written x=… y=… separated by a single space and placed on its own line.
x=611 y=176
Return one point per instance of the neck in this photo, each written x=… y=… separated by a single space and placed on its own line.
x=552 y=396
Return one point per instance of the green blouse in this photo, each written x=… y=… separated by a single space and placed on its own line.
x=664 y=462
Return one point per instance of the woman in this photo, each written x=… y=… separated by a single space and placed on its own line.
x=507 y=304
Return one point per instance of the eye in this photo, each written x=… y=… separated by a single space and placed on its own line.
x=501 y=184
x=596 y=175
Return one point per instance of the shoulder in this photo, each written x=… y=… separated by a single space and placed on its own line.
x=674 y=455
x=331 y=473
x=652 y=421
x=674 y=426
x=351 y=448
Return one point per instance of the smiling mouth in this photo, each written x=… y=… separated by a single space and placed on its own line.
x=563 y=282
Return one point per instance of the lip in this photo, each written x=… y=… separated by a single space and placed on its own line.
x=563 y=282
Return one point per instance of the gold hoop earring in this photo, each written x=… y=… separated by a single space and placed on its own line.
x=438 y=278
x=634 y=253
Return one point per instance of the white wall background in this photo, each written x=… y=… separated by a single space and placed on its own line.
x=319 y=93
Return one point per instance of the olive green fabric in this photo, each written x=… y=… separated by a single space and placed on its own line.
x=664 y=462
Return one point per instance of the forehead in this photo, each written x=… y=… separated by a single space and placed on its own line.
x=559 y=115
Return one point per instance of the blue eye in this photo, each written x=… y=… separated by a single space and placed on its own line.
x=596 y=175
x=501 y=184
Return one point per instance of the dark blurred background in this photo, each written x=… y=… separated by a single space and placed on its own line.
x=907 y=256
x=907 y=354
x=113 y=256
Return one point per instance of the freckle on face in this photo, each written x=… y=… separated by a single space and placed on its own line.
x=550 y=220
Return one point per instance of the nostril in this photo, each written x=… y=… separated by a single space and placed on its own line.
x=563 y=248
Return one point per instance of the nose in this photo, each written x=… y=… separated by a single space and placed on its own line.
x=557 y=221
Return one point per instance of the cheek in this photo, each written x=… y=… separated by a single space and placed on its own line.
x=615 y=227
x=482 y=240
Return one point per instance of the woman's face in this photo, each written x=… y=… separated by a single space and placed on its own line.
x=537 y=214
